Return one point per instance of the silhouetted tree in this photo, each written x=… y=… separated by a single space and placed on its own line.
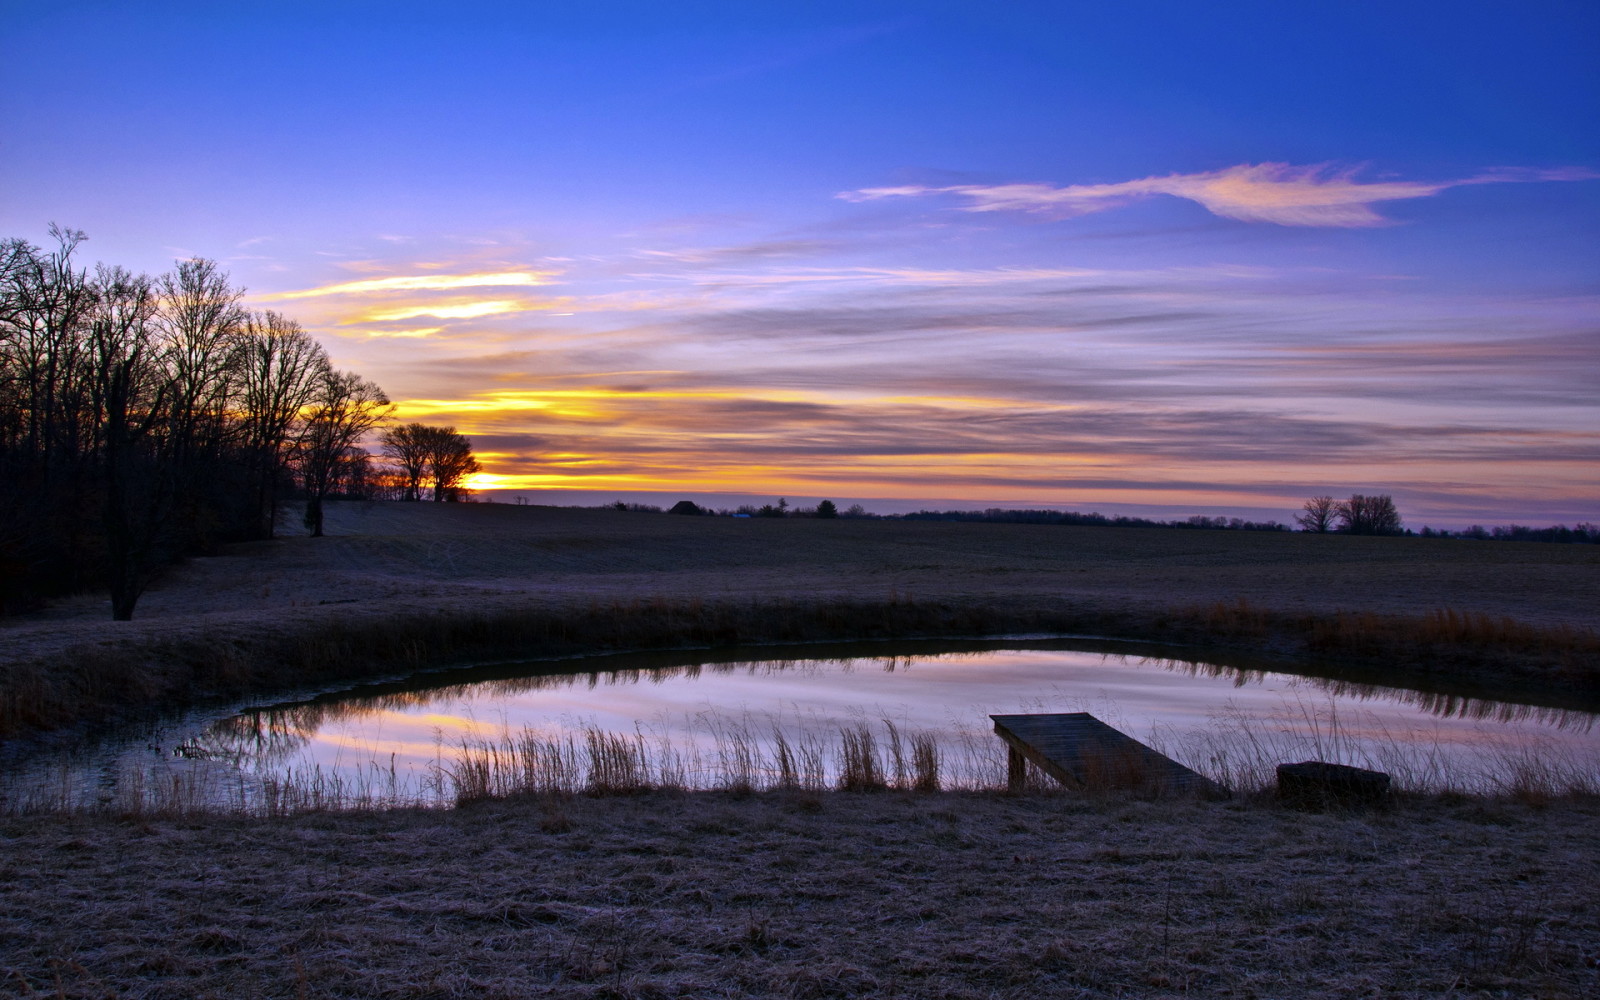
x=1364 y=515
x=1318 y=515
x=407 y=446
x=46 y=427
x=132 y=398
x=201 y=318
x=344 y=408
x=450 y=462
x=142 y=419
x=279 y=369
x=826 y=509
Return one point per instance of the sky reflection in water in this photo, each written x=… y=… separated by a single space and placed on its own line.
x=1189 y=710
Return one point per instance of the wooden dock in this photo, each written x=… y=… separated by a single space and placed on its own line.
x=1084 y=754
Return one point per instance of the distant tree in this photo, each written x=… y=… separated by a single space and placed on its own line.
x=1368 y=515
x=450 y=462
x=826 y=509
x=1318 y=515
x=407 y=447
x=355 y=477
x=686 y=507
x=344 y=408
x=855 y=510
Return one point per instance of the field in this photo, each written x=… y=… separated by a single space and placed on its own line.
x=834 y=895
x=801 y=893
x=399 y=586
x=391 y=555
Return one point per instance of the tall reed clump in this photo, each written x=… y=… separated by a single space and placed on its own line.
x=859 y=769
x=925 y=762
x=734 y=756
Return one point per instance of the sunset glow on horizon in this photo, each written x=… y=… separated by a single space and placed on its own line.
x=1207 y=260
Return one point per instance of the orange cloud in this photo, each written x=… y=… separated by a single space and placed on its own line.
x=421 y=282
x=447 y=310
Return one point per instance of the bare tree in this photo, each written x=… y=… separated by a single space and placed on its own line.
x=279 y=368
x=200 y=315
x=344 y=408
x=1368 y=515
x=48 y=302
x=450 y=462
x=46 y=422
x=407 y=445
x=141 y=419
x=132 y=394
x=1318 y=515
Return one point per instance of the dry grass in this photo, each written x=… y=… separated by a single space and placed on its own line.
x=533 y=889
x=808 y=895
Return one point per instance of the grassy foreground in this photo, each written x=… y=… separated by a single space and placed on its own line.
x=804 y=895
x=402 y=586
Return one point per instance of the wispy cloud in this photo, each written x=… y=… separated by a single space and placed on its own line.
x=446 y=310
x=1279 y=193
x=421 y=282
x=409 y=333
x=753 y=251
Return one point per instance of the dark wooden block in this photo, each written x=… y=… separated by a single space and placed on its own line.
x=1316 y=784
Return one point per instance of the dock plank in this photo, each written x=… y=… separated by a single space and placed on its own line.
x=1083 y=753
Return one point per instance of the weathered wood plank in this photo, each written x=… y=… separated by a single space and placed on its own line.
x=1082 y=753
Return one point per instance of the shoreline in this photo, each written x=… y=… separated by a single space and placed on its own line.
x=96 y=683
x=399 y=587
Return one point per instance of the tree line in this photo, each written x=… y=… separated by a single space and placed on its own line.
x=997 y=515
x=146 y=418
x=1360 y=514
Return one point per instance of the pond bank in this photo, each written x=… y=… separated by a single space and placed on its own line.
x=948 y=895
x=179 y=664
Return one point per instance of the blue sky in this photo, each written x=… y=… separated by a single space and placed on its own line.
x=1165 y=257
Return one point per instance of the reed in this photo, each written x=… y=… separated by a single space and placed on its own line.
x=783 y=756
x=746 y=756
x=859 y=768
x=619 y=763
x=925 y=760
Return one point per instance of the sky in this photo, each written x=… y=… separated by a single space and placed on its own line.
x=1152 y=258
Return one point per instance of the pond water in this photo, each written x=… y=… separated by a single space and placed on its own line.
x=761 y=718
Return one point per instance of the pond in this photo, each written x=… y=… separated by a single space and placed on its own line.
x=791 y=716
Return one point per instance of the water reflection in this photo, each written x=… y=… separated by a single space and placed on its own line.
x=430 y=717
x=274 y=732
x=1441 y=705
x=696 y=712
